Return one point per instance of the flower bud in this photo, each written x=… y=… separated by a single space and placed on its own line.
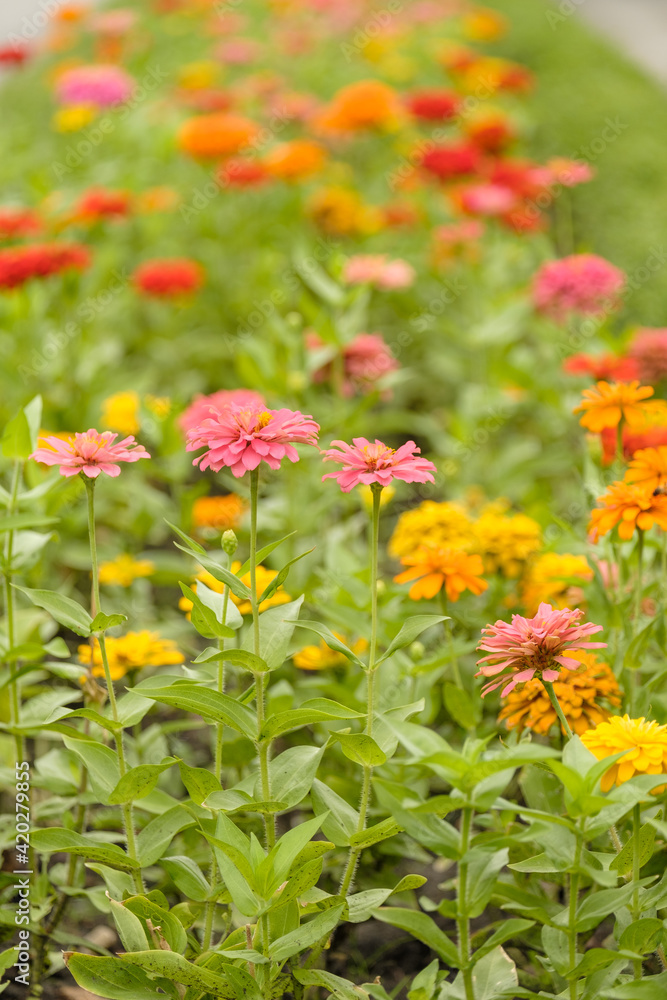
x=229 y=542
x=416 y=651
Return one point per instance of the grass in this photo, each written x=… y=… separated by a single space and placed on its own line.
x=584 y=84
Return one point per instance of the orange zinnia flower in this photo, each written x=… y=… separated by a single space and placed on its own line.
x=296 y=160
x=608 y=403
x=216 y=135
x=648 y=468
x=361 y=105
x=434 y=568
x=629 y=507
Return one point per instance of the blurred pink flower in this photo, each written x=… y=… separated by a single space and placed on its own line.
x=100 y=84
x=459 y=233
x=202 y=407
x=569 y=173
x=582 y=283
x=238 y=51
x=366 y=360
x=375 y=269
x=113 y=22
x=239 y=438
x=487 y=199
x=366 y=463
x=91 y=453
x=533 y=646
x=649 y=352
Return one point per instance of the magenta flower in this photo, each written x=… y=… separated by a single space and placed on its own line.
x=202 y=407
x=91 y=453
x=100 y=84
x=582 y=283
x=241 y=437
x=368 y=463
x=533 y=646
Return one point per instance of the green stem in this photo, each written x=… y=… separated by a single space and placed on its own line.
x=636 y=866
x=462 y=918
x=355 y=853
x=96 y=607
x=14 y=690
x=263 y=746
x=634 y=671
x=553 y=698
x=449 y=635
x=572 y=914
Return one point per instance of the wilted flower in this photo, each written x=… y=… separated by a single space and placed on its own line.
x=645 y=744
x=433 y=569
x=240 y=438
x=91 y=453
x=582 y=283
x=368 y=463
x=530 y=647
x=124 y=570
x=582 y=693
x=607 y=404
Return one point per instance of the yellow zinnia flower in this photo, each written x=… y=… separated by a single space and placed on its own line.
x=505 y=541
x=548 y=580
x=645 y=743
x=130 y=652
x=218 y=513
x=124 y=570
x=120 y=412
x=433 y=524
x=321 y=656
x=74 y=117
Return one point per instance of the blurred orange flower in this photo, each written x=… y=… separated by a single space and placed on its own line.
x=216 y=135
x=296 y=160
x=218 y=513
x=365 y=104
x=648 y=468
x=433 y=568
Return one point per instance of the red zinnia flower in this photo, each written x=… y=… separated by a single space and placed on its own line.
x=243 y=173
x=169 y=277
x=446 y=162
x=39 y=260
x=603 y=367
x=433 y=105
x=15 y=221
x=99 y=203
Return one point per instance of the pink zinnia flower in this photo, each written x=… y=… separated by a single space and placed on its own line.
x=487 y=199
x=202 y=407
x=241 y=437
x=103 y=85
x=375 y=269
x=528 y=646
x=582 y=283
x=649 y=351
x=569 y=173
x=366 y=360
x=366 y=463
x=91 y=453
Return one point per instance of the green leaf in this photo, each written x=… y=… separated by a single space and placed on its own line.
x=276 y=627
x=600 y=904
x=652 y=988
x=421 y=926
x=512 y=928
x=110 y=977
x=187 y=876
x=280 y=578
x=292 y=772
x=342 y=820
x=69 y=613
x=483 y=869
x=332 y=641
x=642 y=936
x=409 y=631
x=316 y=710
x=130 y=928
x=376 y=834
x=139 y=782
x=220 y=573
x=101 y=763
x=339 y=988
x=203 y=618
x=360 y=748
x=494 y=977
x=241 y=657
x=102 y=622
x=262 y=553
x=52 y=840
x=362 y=904
x=157 y=835
x=243 y=984
x=199 y=782
x=463 y=709
x=624 y=861
x=177 y=969
x=19 y=438
x=18 y=522
x=305 y=936
x=192 y=697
